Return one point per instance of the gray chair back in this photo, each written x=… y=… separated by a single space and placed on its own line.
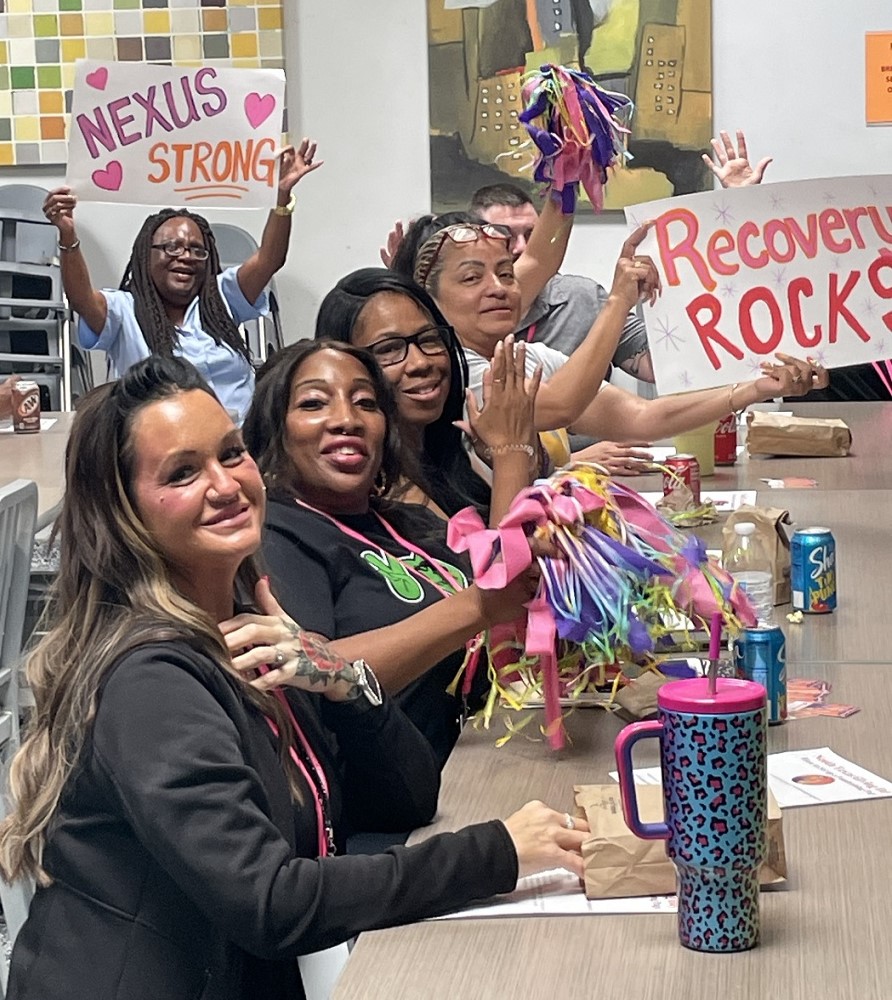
x=18 y=517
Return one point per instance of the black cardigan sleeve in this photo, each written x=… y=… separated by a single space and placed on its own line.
x=390 y=775
x=173 y=756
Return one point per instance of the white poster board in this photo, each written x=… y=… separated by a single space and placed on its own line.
x=803 y=267
x=168 y=135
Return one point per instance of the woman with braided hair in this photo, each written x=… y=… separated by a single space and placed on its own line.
x=173 y=298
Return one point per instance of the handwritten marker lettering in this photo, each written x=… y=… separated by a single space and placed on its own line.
x=154 y=134
x=169 y=109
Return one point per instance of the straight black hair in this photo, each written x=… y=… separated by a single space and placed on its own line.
x=447 y=476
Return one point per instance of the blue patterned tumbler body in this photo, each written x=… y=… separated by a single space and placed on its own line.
x=712 y=750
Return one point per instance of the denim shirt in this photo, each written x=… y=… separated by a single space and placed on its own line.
x=228 y=374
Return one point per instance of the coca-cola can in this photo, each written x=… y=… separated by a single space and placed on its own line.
x=26 y=407
x=685 y=468
x=726 y=440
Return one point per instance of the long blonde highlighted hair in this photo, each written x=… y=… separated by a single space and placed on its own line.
x=113 y=593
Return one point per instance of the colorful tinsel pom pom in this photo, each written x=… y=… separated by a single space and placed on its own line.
x=578 y=128
x=623 y=576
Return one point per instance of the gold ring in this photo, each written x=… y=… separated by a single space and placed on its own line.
x=280 y=657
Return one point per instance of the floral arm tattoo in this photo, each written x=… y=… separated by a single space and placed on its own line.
x=318 y=662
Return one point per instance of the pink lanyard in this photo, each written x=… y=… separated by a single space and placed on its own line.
x=319 y=786
x=357 y=536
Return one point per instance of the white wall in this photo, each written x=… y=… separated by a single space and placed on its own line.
x=791 y=72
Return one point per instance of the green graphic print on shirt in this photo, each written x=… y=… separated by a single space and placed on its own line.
x=403 y=583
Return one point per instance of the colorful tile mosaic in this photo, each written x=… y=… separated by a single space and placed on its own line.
x=41 y=39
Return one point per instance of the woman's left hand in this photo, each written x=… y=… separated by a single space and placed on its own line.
x=792 y=377
x=294 y=656
x=294 y=163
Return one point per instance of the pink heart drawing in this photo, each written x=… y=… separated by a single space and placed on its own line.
x=110 y=178
x=258 y=109
x=98 y=78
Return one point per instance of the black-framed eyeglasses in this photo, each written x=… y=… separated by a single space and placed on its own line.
x=431 y=342
x=174 y=249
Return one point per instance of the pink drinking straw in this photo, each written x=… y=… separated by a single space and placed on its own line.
x=715 y=642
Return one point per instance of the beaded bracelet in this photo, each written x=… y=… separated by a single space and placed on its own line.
x=504 y=449
x=73 y=246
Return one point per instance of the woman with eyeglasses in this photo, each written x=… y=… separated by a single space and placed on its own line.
x=401 y=325
x=373 y=576
x=173 y=298
x=467 y=266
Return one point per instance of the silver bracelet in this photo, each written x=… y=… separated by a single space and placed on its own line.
x=73 y=246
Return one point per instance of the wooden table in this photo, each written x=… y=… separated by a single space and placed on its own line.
x=40 y=457
x=868 y=467
x=824 y=939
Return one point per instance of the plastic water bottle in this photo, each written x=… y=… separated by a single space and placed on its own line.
x=750 y=565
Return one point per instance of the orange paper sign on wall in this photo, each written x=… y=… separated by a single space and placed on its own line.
x=878 y=83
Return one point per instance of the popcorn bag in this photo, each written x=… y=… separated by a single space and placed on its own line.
x=783 y=434
x=618 y=864
x=769 y=522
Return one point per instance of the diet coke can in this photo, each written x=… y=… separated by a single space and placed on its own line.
x=726 y=440
x=685 y=468
x=26 y=407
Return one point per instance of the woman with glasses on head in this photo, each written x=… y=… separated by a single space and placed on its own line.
x=173 y=298
x=467 y=266
x=365 y=572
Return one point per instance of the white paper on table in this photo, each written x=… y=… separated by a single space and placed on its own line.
x=843 y=780
x=558 y=893
x=724 y=500
x=45 y=424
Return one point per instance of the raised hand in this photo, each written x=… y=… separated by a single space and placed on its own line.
x=296 y=163
x=394 y=238
x=294 y=656
x=58 y=207
x=732 y=166
x=636 y=278
x=544 y=839
x=506 y=419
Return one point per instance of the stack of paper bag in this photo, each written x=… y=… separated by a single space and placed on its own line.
x=783 y=434
x=617 y=863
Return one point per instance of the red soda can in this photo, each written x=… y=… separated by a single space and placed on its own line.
x=26 y=407
x=685 y=468
x=726 y=440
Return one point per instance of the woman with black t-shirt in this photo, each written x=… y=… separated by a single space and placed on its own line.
x=373 y=576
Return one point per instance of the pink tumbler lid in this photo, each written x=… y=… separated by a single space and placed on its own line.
x=731 y=695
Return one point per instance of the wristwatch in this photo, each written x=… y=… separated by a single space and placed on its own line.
x=367 y=683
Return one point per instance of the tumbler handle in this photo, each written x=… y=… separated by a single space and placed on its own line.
x=625 y=741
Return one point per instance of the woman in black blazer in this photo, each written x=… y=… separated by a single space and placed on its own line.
x=184 y=823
